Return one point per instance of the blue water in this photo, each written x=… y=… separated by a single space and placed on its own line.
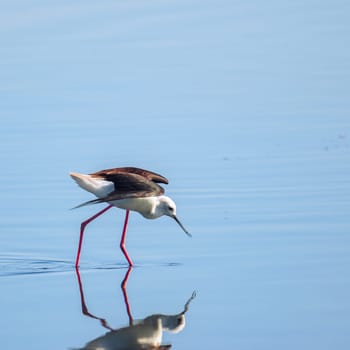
x=244 y=108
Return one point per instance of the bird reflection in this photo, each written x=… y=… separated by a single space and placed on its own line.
x=145 y=334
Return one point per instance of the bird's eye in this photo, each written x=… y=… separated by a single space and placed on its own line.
x=170 y=208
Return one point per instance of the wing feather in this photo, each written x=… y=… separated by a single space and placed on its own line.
x=109 y=174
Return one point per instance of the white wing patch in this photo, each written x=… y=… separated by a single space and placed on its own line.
x=99 y=187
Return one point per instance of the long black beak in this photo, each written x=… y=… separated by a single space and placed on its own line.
x=178 y=221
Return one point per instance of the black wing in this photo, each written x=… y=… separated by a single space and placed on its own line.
x=109 y=174
x=128 y=185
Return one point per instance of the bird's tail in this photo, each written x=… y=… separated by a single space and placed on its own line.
x=99 y=187
x=84 y=181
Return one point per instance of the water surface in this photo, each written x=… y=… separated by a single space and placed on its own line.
x=243 y=106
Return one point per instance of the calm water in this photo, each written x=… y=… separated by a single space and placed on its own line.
x=244 y=107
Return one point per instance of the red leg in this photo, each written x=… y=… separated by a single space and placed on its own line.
x=82 y=228
x=122 y=241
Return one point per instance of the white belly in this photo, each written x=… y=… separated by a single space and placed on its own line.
x=145 y=206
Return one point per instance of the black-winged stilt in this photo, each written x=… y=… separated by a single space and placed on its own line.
x=127 y=188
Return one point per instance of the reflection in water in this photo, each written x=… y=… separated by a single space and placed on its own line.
x=145 y=334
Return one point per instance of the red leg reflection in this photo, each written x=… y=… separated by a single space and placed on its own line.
x=84 y=308
x=125 y=294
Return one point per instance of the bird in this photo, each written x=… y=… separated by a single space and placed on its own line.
x=128 y=188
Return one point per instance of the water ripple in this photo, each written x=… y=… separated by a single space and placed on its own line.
x=23 y=265
x=14 y=265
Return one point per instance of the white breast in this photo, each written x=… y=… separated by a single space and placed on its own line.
x=145 y=206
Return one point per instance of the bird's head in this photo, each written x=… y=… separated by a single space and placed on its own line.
x=168 y=207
